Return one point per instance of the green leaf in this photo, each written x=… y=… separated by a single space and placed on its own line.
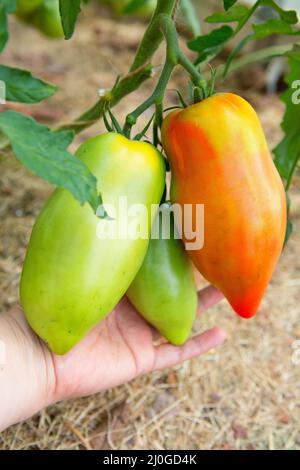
x=235 y=14
x=211 y=44
x=269 y=28
x=288 y=16
x=44 y=152
x=3 y=27
x=273 y=26
x=289 y=225
x=10 y=5
x=22 y=87
x=288 y=232
x=215 y=38
x=228 y=4
x=287 y=152
x=4 y=142
x=6 y=6
x=69 y=11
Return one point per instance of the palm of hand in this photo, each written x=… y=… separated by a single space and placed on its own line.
x=121 y=347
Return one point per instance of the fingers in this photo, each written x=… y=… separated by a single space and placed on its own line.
x=167 y=355
x=155 y=334
x=208 y=297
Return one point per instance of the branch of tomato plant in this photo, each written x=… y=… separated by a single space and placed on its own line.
x=125 y=86
x=133 y=80
x=140 y=71
x=174 y=57
x=137 y=75
x=153 y=35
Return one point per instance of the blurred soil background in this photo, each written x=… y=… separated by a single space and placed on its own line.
x=244 y=395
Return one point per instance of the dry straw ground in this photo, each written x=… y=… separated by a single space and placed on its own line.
x=245 y=395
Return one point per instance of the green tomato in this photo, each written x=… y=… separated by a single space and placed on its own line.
x=72 y=277
x=47 y=19
x=26 y=7
x=144 y=12
x=164 y=290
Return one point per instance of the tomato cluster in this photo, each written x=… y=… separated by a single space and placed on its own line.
x=218 y=156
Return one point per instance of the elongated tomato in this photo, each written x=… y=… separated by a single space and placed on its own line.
x=72 y=277
x=219 y=157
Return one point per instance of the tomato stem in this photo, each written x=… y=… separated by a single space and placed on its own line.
x=174 y=57
x=153 y=35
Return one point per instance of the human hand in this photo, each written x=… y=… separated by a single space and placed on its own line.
x=122 y=347
x=116 y=351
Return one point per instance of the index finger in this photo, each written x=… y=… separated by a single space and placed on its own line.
x=208 y=297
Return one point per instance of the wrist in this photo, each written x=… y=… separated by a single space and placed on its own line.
x=27 y=377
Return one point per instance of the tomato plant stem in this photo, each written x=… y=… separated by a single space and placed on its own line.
x=174 y=57
x=153 y=35
x=124 y=87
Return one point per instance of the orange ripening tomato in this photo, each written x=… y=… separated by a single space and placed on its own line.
x=219 y=157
